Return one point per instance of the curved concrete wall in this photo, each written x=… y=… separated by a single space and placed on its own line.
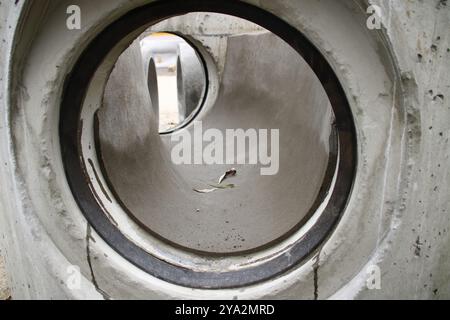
x=191 y=81
x=261 y=208
x=397 y=216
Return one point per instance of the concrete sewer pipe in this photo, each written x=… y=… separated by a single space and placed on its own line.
x=348 y=199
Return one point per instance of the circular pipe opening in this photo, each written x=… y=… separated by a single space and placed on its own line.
x=176 y=78
x=274 y=128
x=330 y=141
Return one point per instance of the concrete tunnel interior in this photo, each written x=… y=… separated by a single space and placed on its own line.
x=236 y=150
x=249 y=86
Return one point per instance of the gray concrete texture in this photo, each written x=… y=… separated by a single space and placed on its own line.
x=191 y=81
x=4 y=282
x=261 y=208
x=211 y=30
x=397 y=219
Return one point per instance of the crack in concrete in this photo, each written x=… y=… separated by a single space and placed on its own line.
x=316 y=277
x=88 y=256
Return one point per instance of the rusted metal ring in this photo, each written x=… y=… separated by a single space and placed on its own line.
x=75 y=88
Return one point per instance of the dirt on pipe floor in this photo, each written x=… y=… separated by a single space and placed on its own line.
x=4 y=289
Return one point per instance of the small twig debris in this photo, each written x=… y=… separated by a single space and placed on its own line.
x=230 y=173
x=205 y=190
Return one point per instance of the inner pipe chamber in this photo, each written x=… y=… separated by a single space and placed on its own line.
x=265 y=84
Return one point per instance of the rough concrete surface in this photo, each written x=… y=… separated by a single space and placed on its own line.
x=4 y=287
x=398 y=217
x=259 y=209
